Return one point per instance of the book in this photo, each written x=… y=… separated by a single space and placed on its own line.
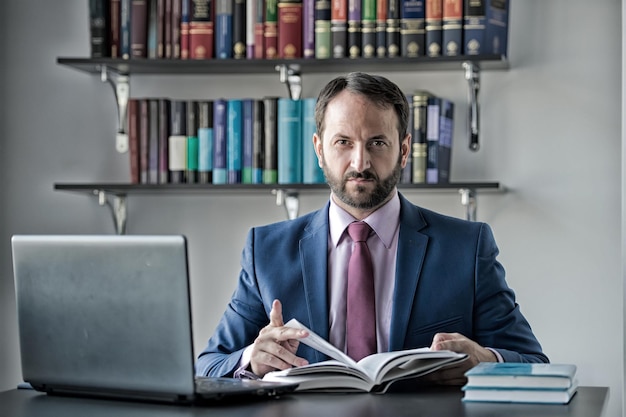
x=133 y=139
x=406 y=176
x=374 y=373
x=144 y=141
x=323 y=42
x=270 y=30
x=446 y=134
x=219 y=142
x=167 y=29
x=418 y=141
x=205 y=142
x=433 y=112
x=177 y=141
x=201 y=23
x=412 y=28
x=247 y=141
x=512 y=395
x=125 y=29
x=223 y=29
x=368 y=29
x=192 y=142
x=114 y=28
x=239 y=29
x=175 y=28
x=185 y=16
x=99 y=16
x=234 y=138
x=289 y=29
x=259 y=29
x=258 y=142
x=138 y=28
x=452 y=28
x=153 y=141
x=164 y=132
x=497 y=21
x=153 y=30
x=251 y=13
x=381 y=28
x=270 y=140
x=289 y=119
x=354 y=28
x=308 y=28
x=339 y=28
x=393 y=47
x=434 y=15
x=474 y=27
x=521 y=375
x=311 y=171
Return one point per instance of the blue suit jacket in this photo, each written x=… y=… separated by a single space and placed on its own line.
x=447 y=280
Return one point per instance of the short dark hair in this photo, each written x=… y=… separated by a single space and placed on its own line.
x=376 y=88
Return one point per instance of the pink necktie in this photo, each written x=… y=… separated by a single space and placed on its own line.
x=361 y=307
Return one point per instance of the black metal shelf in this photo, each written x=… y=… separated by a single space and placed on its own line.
x=268 y=66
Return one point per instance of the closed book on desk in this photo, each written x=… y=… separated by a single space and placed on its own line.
x=521 y=375
x=513 y=395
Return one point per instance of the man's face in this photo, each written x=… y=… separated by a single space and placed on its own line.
x=360 y=153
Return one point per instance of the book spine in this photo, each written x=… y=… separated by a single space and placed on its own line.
x=205 y=142
x=220 y=140
x=114 y=29
x=144 y=141
x=381 y=28
x=497 y=27
x=308 y=28
x=407 y=172
x=167 y=29
x=133 y=139
x=138 y=28
x=185 y=16
x=177 y=141
x=251 y=6
x=446 y=132
x=412 y=28
x=311 y=171
x=239 y=29
x=258 y=142
x=270 y=155
x=323 y=42
x=354 y=28
x=153 y=22
x=176 y=16
x=339 y=27
x=393 y=28
x=153 y=139
x=99 y=16
x=259 y=30
x=432 y=139
x=289 y=141
x=191 y=163
x=160 y=28
x=474 y=27
x=419 y=143
x=452 y=27
x=234 y=129
x=164 y=131
x=125 y=28
x=270 y=30
x=434 y=15
x=289 y=29
x=247 y=141
x=223 y=29
x=368 y=29
x=201 y=29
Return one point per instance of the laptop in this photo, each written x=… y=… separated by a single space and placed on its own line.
x=110 y=315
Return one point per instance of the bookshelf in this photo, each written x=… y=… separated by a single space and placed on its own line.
x=117 y=72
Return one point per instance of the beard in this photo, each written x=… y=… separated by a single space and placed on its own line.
x=362 y=199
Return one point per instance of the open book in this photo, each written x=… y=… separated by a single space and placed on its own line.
x=374 y=373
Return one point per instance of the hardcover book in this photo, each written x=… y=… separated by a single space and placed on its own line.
x=512 y=395
x=201 y=23
x=220 y=140
x=323 y=42
x=289 y=29
x=311 y=171
x=308 y=28
x=192 y=142
x=239 y=29
x=446 y=134
x=270 y=33
x=125 y=28
x=144 y=141
x=223 y=29
x=474 y=27
x=138 y=28
x=393 y=46
x=114 y=28
x=406 y=176
x=418 y=141
x=433 y=114
x=99 y=16
x=289 y=141
x=164 y=131
x=247 y=141
x=381 y=28
x=251 y=12
x=234 y=141
x=497 y=26
x=354 y=28
x=339 y=28
x=368 y=29
x=259 y=29
x=133 y=139
x=374 y=373
x=205 y=142
x=452 y=27
x=177 y=143
x=434 y=16
x=270 y=144
x=412 y=28
x=185 y=15
x=175 y=27
x=258 y=142
x=521 y=375
x=153 y=141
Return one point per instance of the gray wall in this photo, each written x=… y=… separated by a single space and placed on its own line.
x=551 y=134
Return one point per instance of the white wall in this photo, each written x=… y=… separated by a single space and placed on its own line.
x=551 y=133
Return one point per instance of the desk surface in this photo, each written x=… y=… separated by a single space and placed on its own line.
x=588 y=402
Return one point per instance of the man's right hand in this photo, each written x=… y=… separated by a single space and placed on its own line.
x=276 y=345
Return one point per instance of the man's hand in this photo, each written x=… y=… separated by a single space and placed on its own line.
x=276 y=345
x=454 y=375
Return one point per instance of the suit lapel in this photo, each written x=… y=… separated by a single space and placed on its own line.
x=411 y=251
x=313 y=250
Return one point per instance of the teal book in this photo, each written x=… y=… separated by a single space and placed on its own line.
x=247 y=141
x=205 y=142
x=521 y=375
x=289 y=141
x=270 y=140
x=192 y=142
x=234 y=129
x=219 y=142
x=311 y=171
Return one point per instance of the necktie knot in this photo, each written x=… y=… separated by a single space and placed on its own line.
x=359 y=231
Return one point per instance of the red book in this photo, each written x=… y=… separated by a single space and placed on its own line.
x=133 y=139
x=201 y=29
x=289 y=29
x=270 y=34
x=114 y=32
x=184 y=29
x=144 y=140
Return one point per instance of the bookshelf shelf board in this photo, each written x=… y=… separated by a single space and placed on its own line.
x=268 y=66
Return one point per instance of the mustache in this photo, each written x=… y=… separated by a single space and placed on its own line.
x=365 y=175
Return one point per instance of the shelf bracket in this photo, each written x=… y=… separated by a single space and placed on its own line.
x=290 y=200
x=117 y=207
x=290 y=75
x=468 y=200
x=121 y=89
x=472 y=75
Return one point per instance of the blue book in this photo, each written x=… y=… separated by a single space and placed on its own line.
x=223 y=29
x=125 y=29
x=521 y=375
x=219 y=142
x=289 y=119
x=247 y=141
x=234 y=134
x=452 y=28
x=311 y=171
x=474 y=19
x=412 y=28
x=258 y=144
x=497 y=21
x=446 y=134
x=205 y=142
x=432 y=140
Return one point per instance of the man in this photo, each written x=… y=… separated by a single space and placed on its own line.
x=436 y=279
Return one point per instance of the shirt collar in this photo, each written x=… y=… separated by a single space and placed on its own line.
x=383 y=221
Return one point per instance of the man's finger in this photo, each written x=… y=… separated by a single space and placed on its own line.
x=276 y=315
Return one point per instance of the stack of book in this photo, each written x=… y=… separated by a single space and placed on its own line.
x=521 y=383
